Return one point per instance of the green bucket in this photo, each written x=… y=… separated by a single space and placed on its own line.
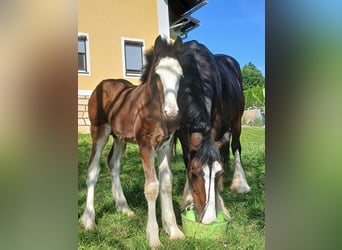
x=214 y=230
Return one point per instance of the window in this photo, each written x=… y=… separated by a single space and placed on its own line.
x=133 y=57
x=83 y=54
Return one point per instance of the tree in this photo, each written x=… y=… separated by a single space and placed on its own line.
x=254 y=97
x=252 y=77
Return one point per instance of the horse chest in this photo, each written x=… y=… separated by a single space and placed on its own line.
x=151 y=131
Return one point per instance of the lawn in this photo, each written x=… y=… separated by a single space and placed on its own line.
x=118 y=231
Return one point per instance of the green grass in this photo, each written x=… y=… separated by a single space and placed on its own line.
x=118 y=231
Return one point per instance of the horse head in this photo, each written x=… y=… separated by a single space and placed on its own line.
x=165 y=66
x=204 y=171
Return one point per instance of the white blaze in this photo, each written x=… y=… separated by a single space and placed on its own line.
x=209 y=180
x=169 y=71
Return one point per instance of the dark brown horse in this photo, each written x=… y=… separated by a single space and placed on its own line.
x=147 y=115
x=227 y=121
x=211 y=104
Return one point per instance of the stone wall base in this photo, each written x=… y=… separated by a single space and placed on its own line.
x=83 y=121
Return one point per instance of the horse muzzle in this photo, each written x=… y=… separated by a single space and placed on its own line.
x=171 y=113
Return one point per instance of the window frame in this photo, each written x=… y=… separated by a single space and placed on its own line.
x=87 y=54
x=131 y=41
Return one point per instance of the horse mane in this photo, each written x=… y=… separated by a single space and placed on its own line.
x=198 y=85
x=208 y=152
x=147 y=66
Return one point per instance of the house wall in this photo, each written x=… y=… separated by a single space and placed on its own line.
x=83 y=121
x=106 y=22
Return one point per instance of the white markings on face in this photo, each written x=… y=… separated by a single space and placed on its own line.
x=209 y=182
x=170 y=71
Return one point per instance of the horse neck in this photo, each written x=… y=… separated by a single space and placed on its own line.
x=150 y=91
x=152 y=88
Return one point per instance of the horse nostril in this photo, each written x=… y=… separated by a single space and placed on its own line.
x=171 y=113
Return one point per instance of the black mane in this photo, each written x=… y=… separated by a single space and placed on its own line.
x=208 y=152
x=198 y=96
x=201 y=82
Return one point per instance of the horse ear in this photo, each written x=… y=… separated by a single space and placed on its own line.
x=158 y=44
x=178 y=44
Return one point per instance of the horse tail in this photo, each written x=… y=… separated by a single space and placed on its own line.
x=97 y=114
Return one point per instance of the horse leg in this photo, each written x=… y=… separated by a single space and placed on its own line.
x=151 y=191
x=99 y=139
x=220 y=206
x=239 y=183
x=223 y=145
x=165 y=179
x=113 y=162
x=187 y=198
x=224 y=150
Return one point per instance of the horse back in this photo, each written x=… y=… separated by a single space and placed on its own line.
x=232 y=92
x=110 y=103
x=132 y=111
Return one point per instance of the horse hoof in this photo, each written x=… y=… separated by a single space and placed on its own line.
x=229 y=218
x=126 y=210
x=155 y=243
x=88 y=220
x=129 y=212
x=240 y=187
x=176 y=234
x=180 y=236
x=226 y=212
x=88 y=225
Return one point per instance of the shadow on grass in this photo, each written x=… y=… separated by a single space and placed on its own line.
x=97 y=239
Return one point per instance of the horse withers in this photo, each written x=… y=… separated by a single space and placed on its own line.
x=210 y=100
x=146 y=114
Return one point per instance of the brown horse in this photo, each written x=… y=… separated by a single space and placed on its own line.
x=227 y=122
x=147 y=115
x=211 y=104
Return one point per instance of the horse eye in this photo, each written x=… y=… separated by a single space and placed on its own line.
x=196 y=173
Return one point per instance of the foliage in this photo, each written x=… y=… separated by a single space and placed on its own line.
x=117 y=231
x=251 y=77
x=254 y=97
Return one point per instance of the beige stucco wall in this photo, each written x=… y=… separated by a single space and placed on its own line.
x=106 y=21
